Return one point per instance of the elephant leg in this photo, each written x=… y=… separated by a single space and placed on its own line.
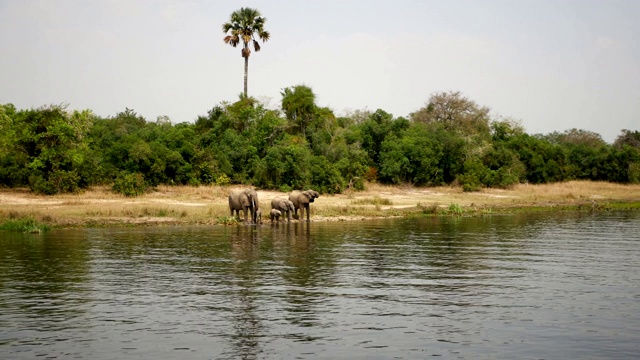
x=307 y=208
x=244 y=212
x=288 y=215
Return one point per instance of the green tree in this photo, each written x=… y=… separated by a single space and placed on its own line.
x=299 y=105
x=243 y=27
x=285 y=166
x=413 y=156
x=375 y=129
x=55 y=144
x=13 y=161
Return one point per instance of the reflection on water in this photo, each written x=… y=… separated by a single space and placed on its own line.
x=501 y=287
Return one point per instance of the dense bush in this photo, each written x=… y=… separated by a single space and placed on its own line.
x=452 y=140
x=129 y=184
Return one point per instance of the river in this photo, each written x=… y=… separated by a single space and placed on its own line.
x=527 y=286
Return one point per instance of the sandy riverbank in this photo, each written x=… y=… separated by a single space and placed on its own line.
x=98 y=206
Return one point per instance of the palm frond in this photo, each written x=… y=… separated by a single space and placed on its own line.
x=231 y=40
x=256 y=45
x=264 y=35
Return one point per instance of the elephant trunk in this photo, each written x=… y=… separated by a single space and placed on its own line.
x=255 y=210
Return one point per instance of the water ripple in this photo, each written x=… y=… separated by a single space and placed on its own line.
x=497 y=288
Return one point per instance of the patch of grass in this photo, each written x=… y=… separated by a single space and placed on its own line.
x=25 y=225
x=226 y=220
x=455 y=209
x=376 y=200
x=432 y=209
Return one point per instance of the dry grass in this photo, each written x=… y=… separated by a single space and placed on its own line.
x=206 y=204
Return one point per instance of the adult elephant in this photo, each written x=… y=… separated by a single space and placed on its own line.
x=301 y=201
x=283 y=205
x=245 y=200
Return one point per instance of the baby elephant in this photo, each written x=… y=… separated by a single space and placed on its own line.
x=258 y=216
x=275 y=214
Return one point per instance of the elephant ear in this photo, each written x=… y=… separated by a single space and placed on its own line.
x=309 y=195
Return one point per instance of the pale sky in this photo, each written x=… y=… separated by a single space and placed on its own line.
x=552 y=65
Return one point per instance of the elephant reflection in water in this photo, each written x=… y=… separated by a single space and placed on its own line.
x=245 y=242
x=291 y=236
x=241 y=300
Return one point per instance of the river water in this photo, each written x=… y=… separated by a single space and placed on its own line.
x=530 y=286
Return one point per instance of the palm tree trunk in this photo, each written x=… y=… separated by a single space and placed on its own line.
x=246 y=74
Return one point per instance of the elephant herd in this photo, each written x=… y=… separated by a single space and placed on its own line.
x=246 y=200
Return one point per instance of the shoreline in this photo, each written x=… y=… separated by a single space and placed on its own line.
x=207 y=205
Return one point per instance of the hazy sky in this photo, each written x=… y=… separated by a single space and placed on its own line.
x=553 y=65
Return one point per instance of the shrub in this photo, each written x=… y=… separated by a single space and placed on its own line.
x=432 y=209
x=59 y=181
x=129 y=184
x=325 y=177
x=455 y=209
x=285 y=188
x=223 y=180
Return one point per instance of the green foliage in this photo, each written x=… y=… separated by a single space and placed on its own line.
x=45 y=148
x=223 y=180
x=412 y=157
x=542 y=160
x=298 y=104
x=375 y=129
x=285 y=164
x=59 y=181
x=634 y=173
x=475 y=175
x=227 y=220
x=24 y=225
x=325 y=176
x=285 y=188
x=450 y=141
x=455 y=209
x=129 y=184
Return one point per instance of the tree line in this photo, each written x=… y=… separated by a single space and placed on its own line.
x=450 y=141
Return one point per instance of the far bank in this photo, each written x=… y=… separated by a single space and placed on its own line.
x=183 y=205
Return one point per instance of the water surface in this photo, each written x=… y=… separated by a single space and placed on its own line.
x=550 y=286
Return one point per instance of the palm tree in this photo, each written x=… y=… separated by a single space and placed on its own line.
x=243 y=27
